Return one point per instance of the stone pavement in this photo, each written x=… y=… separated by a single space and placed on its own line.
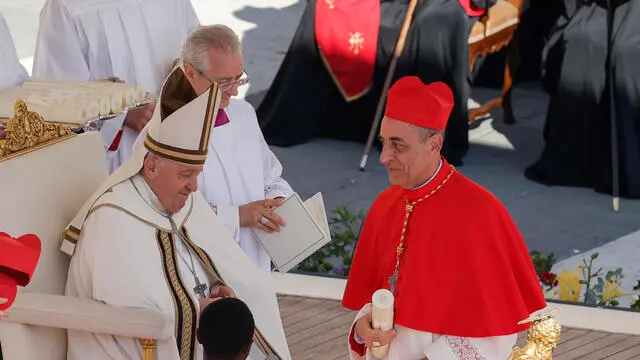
x=562 y=220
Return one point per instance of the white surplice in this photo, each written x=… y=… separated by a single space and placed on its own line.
x=134 y=40
x=240 y=168
x=411 y=344
x=12 y=73
x=123 y=260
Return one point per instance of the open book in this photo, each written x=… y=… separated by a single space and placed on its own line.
x=307 y=231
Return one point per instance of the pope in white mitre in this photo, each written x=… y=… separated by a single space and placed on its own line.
x=148 y=239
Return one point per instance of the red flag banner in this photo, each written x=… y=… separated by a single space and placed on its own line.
x=347 y=37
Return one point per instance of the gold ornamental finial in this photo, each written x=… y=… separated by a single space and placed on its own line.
x=542 y=337
x=27 y=131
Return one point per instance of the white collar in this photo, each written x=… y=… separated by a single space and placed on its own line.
x=148 y=195
x=431 y=178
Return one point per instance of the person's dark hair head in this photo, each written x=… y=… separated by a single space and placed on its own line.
x=226 y=329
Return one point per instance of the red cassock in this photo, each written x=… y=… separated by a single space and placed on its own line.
x=18 y=260
x=346 y=33
x=465 y=270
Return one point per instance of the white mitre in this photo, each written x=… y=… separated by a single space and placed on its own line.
x=179 y=130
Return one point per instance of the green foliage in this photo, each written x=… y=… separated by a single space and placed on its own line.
x=542 y=263
x=345 y=230
x=636 y=304
x=588 y=275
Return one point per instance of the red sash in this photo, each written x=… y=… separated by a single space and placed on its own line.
x=347 y=36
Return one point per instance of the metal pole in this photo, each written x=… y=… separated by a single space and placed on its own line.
x=612 y=109
x=387 y=82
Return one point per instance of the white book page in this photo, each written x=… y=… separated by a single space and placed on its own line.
x=302 y=236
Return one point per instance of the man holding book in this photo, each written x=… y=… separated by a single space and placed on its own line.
x=460 y=286
x=242 y=178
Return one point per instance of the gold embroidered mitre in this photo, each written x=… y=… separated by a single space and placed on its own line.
x=182 y=122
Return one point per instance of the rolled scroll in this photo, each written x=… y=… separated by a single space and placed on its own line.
x=382 y=316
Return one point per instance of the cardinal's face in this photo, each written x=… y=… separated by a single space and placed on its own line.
x=411 y=154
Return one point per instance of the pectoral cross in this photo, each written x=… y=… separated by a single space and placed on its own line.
x=393 y=280
x=200 y=289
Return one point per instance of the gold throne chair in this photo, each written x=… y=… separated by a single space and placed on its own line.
x=46 y=173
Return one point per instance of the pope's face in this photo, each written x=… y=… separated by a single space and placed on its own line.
x=410 y=160
x=172 y=182
x=225 y=69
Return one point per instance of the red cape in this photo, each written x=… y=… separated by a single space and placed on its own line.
x=466 y=270
x=351 y=58
x=18 y=260
x=346 y=32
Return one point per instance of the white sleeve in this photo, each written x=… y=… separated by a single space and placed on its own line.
x=101 y=271
x=445 y=347
x=192 y=20
x=13 y=73
x=274 y=185
x=59 y=53
x=230 y=217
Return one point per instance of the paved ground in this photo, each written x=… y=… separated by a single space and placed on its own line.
x=318 y=329
x=562 y=220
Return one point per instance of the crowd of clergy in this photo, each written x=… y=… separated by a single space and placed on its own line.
x=191 y=175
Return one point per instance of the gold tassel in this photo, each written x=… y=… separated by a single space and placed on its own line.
x=148 y=349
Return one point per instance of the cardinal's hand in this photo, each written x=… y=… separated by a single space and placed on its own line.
x=373 y=337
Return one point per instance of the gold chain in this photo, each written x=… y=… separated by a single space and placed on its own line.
x=408 y=209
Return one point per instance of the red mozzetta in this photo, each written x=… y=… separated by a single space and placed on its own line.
x=465 y=269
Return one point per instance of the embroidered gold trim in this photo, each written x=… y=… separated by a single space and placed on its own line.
x=208 y=117
x=346 y=97
x=118 y=207
x=186 y=311
x=180 y=156
x=72 y=234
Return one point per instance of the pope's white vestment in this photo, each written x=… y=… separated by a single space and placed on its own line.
x=134 y=40
x=411 y=344
x=127 y=251
x=128 y=256
x=240 y=168
x=12 y=73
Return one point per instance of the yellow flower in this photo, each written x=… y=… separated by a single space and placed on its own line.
x=569 y=287
x=611 y=289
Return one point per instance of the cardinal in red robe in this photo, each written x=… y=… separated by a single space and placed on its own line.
x=460 y=288
x=18 y=260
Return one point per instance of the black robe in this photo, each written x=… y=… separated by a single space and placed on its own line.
x=303 y=102
x=577 y=129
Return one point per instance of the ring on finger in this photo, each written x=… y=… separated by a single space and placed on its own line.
x=264 y=220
